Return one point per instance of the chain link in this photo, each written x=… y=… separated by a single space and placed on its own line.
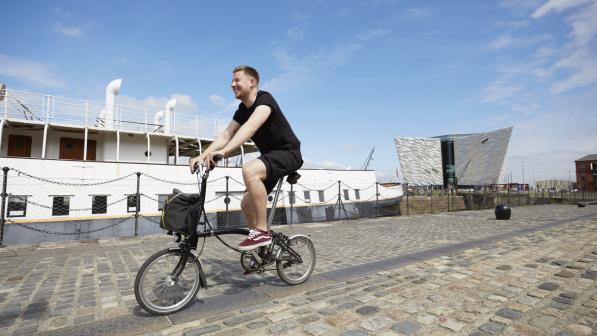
x=149 y=219
x=68 y=233
x=68 y=183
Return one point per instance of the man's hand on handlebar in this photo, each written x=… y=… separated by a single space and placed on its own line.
x=208 y=160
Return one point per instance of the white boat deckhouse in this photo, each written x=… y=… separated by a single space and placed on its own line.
x=72 y=165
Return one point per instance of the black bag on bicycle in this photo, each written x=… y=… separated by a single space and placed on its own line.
x=180 y=212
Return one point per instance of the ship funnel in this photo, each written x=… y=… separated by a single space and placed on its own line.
x=157 y=121
x=169 y=115
x=111 y=91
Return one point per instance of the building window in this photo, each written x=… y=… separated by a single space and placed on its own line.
x=321 y=196
x=291 y=197
x=99 y=204
x=60 y=205
x=346 y=198
x=17 y=206
x=357 y=194
x=131 y=203
x=307 y=196
x=161 y=201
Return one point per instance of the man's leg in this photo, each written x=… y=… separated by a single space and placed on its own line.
x=254 y=173
x=247 y=206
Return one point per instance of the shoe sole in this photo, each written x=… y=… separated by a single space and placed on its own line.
x=252 y=247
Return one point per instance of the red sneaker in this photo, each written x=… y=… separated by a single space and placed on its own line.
x=256 y=238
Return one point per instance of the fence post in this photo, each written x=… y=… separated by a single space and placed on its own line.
x=227 y=199
x=431 y=198
x=407 y=211
x=508 y=194
x=4 y=194
x=292 y=199
x=138 y=204
x=376 y=197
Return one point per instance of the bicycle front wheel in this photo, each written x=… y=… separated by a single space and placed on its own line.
x=296 y=269
x=157 y=288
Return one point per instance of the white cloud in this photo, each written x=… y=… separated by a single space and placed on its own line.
x=577 y=58
x=417 y=13
x=184 y=103
x=72 y=31
x=499 y=90
x=558 y=6
x=550 y=141
x=502 y=41
x=29 y=72
x=583 y=71
x=520 y=5
x=372 y=34
x=217 y=100
x=325 y=164
x=225 y=106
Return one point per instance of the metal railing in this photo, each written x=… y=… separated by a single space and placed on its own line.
x=130 y=204
x=28 y=106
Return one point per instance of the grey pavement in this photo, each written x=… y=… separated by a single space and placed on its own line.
x=461 y=273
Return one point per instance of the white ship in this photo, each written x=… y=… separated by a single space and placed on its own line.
x=74 y=168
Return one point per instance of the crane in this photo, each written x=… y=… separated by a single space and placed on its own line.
x=369 y=158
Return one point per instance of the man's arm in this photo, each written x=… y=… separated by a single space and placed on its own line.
x=246 y=131
x=220 y=142
x=223 y=138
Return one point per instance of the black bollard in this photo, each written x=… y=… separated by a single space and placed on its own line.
x=502 y=212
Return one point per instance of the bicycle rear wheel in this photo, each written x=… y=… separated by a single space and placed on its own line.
x=292 y=270
x=156 y=289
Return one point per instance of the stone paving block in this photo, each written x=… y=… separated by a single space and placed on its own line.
x=580 y=329
x=452 y=324
x=202 y=330
x=283 y=326
x=492 y=328
x=342 y=319
x=548 y=286
x=406 y=328
x=375 y=323
x=317 y=328
x=509 y=313
x=544 y=321
x=354 y=333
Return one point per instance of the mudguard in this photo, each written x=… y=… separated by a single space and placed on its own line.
x=202 y=277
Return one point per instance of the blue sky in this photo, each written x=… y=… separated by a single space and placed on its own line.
x=349 y=75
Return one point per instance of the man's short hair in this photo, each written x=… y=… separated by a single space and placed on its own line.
x=248 y=70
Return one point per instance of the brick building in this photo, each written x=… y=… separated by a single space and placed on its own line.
x=586 y=173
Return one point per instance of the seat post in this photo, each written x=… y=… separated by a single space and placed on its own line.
x=275 y=201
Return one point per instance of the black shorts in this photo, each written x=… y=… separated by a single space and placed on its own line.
x=279 y=163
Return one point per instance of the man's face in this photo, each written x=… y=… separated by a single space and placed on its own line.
x=242 y=84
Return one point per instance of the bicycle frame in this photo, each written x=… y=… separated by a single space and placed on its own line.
x=210 y=233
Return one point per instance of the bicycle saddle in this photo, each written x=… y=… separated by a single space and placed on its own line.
x=293 y=177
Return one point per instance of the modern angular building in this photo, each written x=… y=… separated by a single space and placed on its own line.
x=456 y=159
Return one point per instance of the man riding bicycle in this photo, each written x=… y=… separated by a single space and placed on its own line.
x=260 y=119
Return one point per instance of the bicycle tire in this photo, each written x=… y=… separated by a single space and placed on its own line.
x=165 y=285
x=289 y=271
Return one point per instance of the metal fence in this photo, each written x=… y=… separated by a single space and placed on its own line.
x=92 y=209
x=429 y=199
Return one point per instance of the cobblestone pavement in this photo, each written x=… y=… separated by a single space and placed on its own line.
x=532 y=275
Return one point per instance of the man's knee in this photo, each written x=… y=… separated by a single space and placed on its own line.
x=254 y=171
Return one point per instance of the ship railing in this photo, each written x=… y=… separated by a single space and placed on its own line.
x=42 y=108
